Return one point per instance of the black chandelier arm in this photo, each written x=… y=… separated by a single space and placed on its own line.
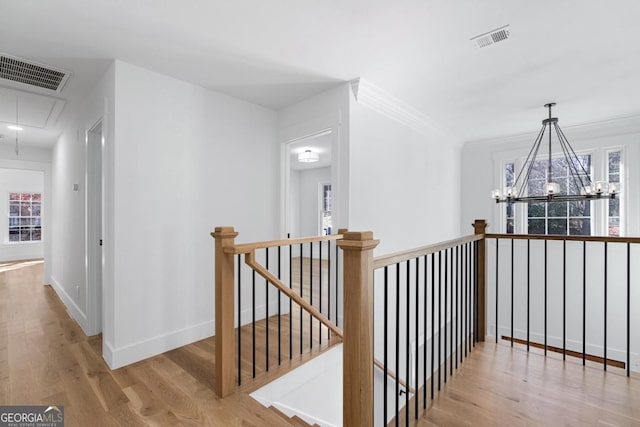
x=528 y=163
x=561 y=134
x=571 y=160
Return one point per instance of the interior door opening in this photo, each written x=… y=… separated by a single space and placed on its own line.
x=94 y=186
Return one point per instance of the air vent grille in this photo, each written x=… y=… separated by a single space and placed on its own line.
x=492 y=37
x=31 y=73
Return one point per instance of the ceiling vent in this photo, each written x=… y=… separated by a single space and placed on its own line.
x=31 y=73
x=492 y=37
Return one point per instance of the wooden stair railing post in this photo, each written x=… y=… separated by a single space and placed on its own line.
x=480 y=226
x=225 y=355
x=357 y=345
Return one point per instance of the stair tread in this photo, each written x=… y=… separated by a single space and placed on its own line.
x=295 y=420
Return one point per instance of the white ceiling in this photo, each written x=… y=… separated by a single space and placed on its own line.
x=582 y=54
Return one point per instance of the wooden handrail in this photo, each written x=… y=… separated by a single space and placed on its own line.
x=380 y=365
x=397 y=257
x=249 y=259
x=245 y=248
x=610 y=239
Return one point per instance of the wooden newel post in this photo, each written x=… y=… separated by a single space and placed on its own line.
x=357 y=344
x=479 y=227
x=224 y=338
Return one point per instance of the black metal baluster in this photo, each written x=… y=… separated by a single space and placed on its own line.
x=290 y=303
x=329 y=285
x=474 y=278
x=605 y=305
x=439 y=317
x=397 y=370
x=512 y=288
x=253 y=320
x=564 y=300
x=406 y=359
x=545 y=297
x=301 y=295
x=433 y=320
x=584 y=302
x=466 y=299
x=337 y=286
x=528 y=286
x=320 y=291
x=266 y=317
x=497 y=275
x=451 y=311
x=446 y=284
x=239 y=320
x=457 y=301
x=424 y=333
x=279 y=310
x=628 y=309
x=417 y=358
x=310 y=294
x=384 y=344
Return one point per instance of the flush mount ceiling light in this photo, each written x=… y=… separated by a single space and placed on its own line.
x=308 y=156
x=14 y=127
x=579 y=187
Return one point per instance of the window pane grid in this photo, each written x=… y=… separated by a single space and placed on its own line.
x=25 y=222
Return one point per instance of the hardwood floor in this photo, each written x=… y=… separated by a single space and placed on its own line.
x=46 y=359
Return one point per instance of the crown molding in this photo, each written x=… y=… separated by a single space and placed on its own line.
x=623 y=125
x=371 y=96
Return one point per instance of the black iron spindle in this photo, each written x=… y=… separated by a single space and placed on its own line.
x=290 y=303
x=446 y=285
x=457 y=300
x=397 y=370
x=512 y=287
x=439 y=317
x=564 y=300
x=628 y=309
x=424 y=333
x=528 y=286
x=320 y=290
x=497 y=276
x=433 y=322
x=545 y=297
x=406 y=359
x=329 y=285
x=266 y=316
x=384 y=343
x=605 y=305
x=279 y=309
x=337 y=286
x=253 y=321
x=239 y=320
x=417 y=358
x=584 y=302
x=310 y=294
x=452 y=314
x=301 y=295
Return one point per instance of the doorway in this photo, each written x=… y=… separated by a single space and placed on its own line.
x=94 y=209
x=309 y=185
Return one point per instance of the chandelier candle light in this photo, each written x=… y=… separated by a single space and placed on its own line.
x=551 y=190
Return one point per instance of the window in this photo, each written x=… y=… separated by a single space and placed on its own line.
x=25 y=222
x=509 y=180
x=326 y=209
x=562 y=218
x=613 y=211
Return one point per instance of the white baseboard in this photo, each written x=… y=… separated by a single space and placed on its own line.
x=72 y=308
x=128 y=354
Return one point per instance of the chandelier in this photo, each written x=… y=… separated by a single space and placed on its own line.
x=552 y=191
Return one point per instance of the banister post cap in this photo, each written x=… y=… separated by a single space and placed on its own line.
x=224 y=232
x=360 y=240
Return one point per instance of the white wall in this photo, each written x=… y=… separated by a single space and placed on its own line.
x=404 y=180
x=69 y=252
x=182 y=169
x=23 y=181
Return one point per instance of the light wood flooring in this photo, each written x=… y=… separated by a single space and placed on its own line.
x=46 y=359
